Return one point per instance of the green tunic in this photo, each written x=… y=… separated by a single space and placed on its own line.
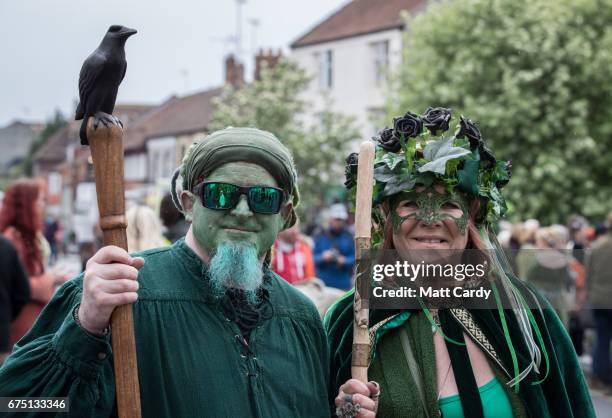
x=190 y=358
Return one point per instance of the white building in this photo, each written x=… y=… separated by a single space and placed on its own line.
x=349 y=55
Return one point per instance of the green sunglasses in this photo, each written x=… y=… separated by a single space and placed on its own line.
x=225 y=196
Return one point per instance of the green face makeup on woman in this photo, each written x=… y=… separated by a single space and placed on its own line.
x=430 y=206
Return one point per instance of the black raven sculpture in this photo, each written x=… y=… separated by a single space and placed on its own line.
x=99 y=80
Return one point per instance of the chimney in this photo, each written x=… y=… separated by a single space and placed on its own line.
x=234 y=71
x=265 y=59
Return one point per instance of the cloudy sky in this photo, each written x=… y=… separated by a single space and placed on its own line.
x=179 y=47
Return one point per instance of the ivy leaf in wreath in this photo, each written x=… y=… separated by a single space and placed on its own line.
x=468 y=176
x=384 y=173
x=405 y=181
x=438 y=153
x=392 y=159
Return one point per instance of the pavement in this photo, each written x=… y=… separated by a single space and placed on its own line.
x=602 y=404
x=602 y=400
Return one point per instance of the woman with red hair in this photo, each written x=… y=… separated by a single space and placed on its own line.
x=21 y=221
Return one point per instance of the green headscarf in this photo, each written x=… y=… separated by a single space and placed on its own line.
x=237 y=144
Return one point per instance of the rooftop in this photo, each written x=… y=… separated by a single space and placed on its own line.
x=359 y=17
x=178 y=115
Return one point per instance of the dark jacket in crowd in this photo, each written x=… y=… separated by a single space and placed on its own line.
x=14 y=290
x=599 y=273
x=332 y=273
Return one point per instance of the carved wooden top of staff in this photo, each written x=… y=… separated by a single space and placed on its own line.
x=363 y=234
x=99 y=80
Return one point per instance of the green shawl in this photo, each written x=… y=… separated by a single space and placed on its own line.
x=563 y=393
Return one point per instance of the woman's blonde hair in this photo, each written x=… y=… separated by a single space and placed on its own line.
x=143 y=229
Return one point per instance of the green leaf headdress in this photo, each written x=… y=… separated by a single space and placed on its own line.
x=421 y=150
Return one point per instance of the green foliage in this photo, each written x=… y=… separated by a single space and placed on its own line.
x=53 y=125
x=439 y=153
x=273 y=104
x=537 y=76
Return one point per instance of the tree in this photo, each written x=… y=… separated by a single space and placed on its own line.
x=273 y=104
x=537 y=76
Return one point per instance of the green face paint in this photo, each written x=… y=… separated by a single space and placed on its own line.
x=238 y=225
x=429 y=207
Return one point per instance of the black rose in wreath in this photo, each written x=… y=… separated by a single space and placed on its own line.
x=407 y=126
x=436 y=119
x=350 y=172
x=388 y=140
x=469 y=130
x=486 y=155
x=501 y=183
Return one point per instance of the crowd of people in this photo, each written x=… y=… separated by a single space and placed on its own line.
x=570 y=266
x=474 y=355
x=320 y=265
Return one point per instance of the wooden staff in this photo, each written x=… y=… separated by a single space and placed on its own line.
x=363 y=234
x=106 y=144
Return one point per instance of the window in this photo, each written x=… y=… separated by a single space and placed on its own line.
x=167 y=164
x=381 y=60
x=325 y=69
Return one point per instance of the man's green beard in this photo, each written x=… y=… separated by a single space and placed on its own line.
x=235 y=265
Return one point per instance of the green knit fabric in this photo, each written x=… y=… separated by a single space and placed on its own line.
x=390 y=369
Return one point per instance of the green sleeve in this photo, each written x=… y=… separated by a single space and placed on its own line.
x=59 y=358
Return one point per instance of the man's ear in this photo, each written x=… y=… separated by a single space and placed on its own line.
x=286 y=212
x=187 y=200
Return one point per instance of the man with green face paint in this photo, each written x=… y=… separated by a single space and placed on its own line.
x=215 y=327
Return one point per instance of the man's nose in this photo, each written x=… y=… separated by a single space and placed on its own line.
x=242 y=208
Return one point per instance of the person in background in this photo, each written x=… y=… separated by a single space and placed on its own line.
x=52 y=234
x=143 y=229
x=334 y=253
x=525 y=255
x=599 y=231
x=578 y=230
x=514 y=245
x=292 y=256
x=14 y=292
x=173 y=221
x=549 y=271
x=21 y=222
x=599 y=290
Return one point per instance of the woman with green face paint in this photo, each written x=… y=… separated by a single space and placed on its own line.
x=438 y=191
x=214 y=325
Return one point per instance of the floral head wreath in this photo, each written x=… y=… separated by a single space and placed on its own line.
x=420 y=151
